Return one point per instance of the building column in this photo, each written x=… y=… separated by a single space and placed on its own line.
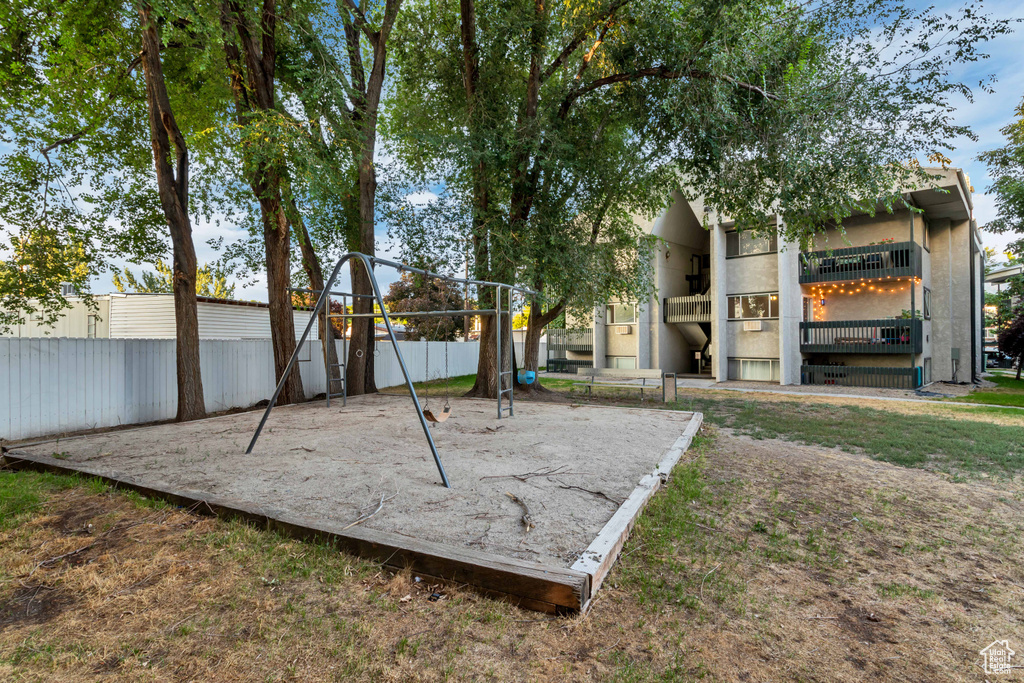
x=790 y=311
x=644 y=336
x=600 y=337
x=719 y=304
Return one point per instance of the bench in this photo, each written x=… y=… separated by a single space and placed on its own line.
x=619 y=378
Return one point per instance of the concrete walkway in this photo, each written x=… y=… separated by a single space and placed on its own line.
x=695 y=383
x=711 y=384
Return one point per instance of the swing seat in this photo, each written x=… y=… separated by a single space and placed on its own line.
x=445 y=413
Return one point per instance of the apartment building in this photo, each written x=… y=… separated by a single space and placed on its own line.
x=894 y=301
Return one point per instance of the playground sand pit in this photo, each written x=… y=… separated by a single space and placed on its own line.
x=367 y=466
x=336 y=463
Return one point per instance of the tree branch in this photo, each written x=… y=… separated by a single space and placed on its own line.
x=361 y=22
x=578 y=39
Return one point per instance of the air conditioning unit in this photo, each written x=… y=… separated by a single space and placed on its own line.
x=752 y=326
x=623 y=329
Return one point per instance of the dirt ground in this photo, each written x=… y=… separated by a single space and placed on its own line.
x=570 y=465
x=760 y=561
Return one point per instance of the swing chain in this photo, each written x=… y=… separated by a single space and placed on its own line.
x=447 y=375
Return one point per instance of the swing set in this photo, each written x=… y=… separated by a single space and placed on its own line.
x=423 y=412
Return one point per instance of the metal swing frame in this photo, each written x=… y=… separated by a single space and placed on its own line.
x=369 y=262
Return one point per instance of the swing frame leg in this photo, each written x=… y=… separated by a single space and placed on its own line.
x=367 y=263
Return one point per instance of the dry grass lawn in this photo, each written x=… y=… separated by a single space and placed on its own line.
x=763 y=560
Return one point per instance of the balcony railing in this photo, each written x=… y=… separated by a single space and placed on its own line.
x=566 y=365
x=699 y=283
x=896 y=259
x=887 y=335
x=688 y=309
x=570 y=340
x=861 y=376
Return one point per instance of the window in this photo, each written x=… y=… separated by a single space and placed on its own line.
x=621 y=314
x=926 y=241
x=754 y=369
x=927 y=304
x=622 y=362
x=751 y=306
x=68 y=289
x=90 y=331
x=927 y=371
x=748 y=244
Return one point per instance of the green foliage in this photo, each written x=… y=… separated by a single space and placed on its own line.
x=1011 y=340
x=412 y=292
x=1006 y=166
x=77 y=186
x=583 y=117
x=211 y=280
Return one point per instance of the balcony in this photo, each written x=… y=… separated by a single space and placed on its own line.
x=891 y=260
x=570 y=340
x=688 y=309
x=886 y=336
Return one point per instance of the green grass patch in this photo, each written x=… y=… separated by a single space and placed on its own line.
x=1009 y=392
x=947 y=444
x=900 y=590
x=23 y=493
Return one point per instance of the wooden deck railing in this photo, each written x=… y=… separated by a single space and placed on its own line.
x=894 y=259
x=687 y=309
x=884 y=335
x=862 y=376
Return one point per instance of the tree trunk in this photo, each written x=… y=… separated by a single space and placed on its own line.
x=365 y=111
x=1020 y=365
x=172 y=187
x=531 y=347
x=360 y=369
x=315 y=273
x=277 y=242
x=255 y=91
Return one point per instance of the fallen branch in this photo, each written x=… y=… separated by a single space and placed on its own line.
x=544 y=472
x=527 y=518
x=363 y=518
x=599 y=494
x=821 y=617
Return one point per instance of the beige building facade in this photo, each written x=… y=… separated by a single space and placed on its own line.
x=894 y=300
x=151 y=316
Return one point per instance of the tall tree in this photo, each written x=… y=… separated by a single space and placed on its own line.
x=211 y=281
x=250 y=50
x=74 y=90
x=762 y=108
x=1006 y=165
x=173 y=186
x=1011 y=340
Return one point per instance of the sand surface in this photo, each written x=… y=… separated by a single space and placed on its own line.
x=338 y=463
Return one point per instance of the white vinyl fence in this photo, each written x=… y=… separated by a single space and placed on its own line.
x=52 y=386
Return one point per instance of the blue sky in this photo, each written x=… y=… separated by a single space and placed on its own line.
x=985 y=115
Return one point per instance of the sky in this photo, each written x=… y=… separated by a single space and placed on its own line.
x=985 y=115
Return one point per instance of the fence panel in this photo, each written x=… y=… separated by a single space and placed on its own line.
x=53 y=386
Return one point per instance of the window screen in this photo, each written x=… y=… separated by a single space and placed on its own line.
x=752 y=306
x=748 y=244
x=754 y=369
x=621 y=314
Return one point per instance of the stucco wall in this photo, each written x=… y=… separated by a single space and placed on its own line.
x=863 y=230
x=763 y=344
x=752 y=274
x=670 y=349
